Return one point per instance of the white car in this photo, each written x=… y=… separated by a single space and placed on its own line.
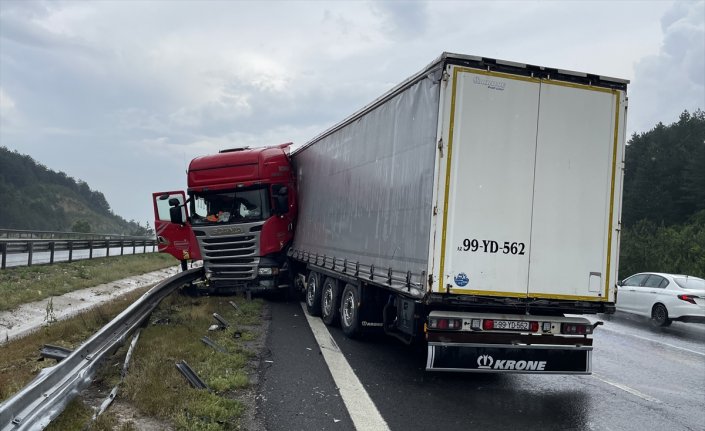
x=663 y=297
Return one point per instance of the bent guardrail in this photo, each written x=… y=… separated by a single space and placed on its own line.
x=45 y=397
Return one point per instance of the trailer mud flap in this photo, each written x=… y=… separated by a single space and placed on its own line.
x=488 y=358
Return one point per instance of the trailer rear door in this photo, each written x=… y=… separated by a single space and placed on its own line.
x=487 y=232
x=529 y=187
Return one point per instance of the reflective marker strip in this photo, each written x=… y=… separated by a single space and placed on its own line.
x=362 y=410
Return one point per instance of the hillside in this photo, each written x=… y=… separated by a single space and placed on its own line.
x=35 y=197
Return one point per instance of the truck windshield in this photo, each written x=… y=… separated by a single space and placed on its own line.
x=230 y=206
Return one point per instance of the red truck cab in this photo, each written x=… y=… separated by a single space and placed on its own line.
x=238 y=218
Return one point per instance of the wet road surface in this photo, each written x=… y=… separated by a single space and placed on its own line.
x=644 y=379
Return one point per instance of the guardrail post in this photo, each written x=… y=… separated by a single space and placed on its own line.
x=90 y=249
x=51 y=253
x=30 y=252
x=122 y=247
x=70 y=251
x=3 y=258
x=133 y=246
x=153 y=246
x=107 y=248
x=144 y=246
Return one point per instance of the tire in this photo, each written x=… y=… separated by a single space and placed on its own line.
x=313 y=294
x=659 y=315
x=330 y=301
x=350 y=311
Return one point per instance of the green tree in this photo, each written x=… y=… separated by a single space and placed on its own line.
x=81 y=226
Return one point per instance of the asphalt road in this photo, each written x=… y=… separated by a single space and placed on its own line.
x=644 y=379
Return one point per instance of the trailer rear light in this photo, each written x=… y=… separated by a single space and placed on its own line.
x=546 y=326
x=576 y=329
x=488 y=324
x=534 y=326
x=688 y=298
x=476 y=324
x=444 y=323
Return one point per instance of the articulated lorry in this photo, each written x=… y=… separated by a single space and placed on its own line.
x=474 y=207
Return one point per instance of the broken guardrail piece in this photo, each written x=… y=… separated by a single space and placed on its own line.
x=221 y=321
x=50 y=351
x=191 y=376
x=111 y=396
x=208 y=342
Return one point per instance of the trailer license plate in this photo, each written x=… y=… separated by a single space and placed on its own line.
x=511 y=324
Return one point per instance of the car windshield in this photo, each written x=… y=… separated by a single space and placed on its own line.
x=230 y=206
x=690 y=282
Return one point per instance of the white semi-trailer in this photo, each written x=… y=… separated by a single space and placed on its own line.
x=475 y=206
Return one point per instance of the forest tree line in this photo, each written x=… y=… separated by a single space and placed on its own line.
x=663 y=213
x=34 y=197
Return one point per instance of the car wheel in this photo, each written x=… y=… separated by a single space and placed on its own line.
x=330 y=294
x=659 y=315
x=350 y=311
x=313 y=294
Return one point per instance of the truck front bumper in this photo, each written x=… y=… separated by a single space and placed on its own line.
x=497 y=358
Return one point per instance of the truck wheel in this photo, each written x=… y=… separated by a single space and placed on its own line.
x=350 y=311
x=330 y=295
x=659 y=315
x=313 y=294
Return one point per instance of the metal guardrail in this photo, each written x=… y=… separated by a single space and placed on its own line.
x=51 y=234
x=32 y=246
x=45 y=397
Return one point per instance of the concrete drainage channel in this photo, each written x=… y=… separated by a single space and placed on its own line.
x=43 y=399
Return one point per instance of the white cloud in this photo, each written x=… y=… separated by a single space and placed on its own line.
x=673 y=80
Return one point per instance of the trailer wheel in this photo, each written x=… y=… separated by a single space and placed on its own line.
x=330 y=296
x=313 y=294
x=350 y=311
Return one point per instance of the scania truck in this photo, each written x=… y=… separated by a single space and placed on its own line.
x=238 y=218
x=475 y=206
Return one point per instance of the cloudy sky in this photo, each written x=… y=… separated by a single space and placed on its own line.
x=123 y=94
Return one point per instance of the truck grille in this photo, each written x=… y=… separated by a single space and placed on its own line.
x=231 y=256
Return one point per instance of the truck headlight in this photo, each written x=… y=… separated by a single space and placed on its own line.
x=268 y=271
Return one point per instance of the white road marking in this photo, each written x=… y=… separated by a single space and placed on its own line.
x=362 y=410
x=627 y=389
x=654 y=341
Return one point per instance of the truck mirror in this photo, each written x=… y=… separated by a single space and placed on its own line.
x=174 y=202
x=176 y=214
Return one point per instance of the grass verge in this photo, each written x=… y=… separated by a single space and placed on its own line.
x=154 y=388
x=19 y=359
x=158 y=389
x=21 y=285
